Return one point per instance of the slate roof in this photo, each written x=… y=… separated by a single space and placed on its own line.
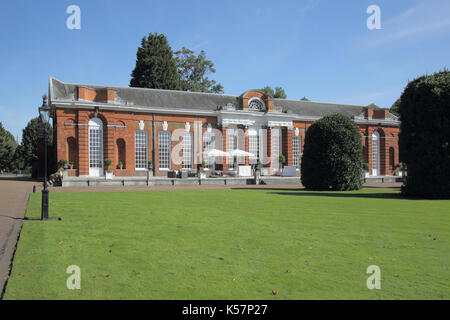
x=200 y=101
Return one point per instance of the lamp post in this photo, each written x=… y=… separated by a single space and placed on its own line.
x=44 y=115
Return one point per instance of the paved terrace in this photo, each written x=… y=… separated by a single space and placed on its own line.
x=14 y=193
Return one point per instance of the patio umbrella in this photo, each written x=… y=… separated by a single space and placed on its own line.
x=216 y=153
x=241 y=153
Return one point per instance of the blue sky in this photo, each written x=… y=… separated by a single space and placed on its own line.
x=315 y=48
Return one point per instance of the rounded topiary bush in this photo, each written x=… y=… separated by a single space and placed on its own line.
x=332 y=156
x=424 y=136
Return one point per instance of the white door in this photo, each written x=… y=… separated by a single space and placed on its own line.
x=375 y=153
x=95 y=147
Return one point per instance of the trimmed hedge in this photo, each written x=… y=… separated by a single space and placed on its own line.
x=424 y=136
x=332 y=157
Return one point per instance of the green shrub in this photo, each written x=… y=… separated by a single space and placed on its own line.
x=365 y=167
x=332 y=155
x=282 y=159
x=424 y=136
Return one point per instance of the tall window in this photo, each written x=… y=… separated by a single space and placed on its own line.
x=209 y=143
x=164 y=144
x=72 y=151
x=391 y=158
x=375 y=153
x=95 y=147
x=276 y=139
x=186 y=146
x=231 y=145
x=121 y=151
x=296 y=151
x=253 y=145
x=141 y=150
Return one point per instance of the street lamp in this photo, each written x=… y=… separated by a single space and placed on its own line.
x=44 y=115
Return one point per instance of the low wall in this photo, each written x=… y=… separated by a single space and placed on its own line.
x=157 y=181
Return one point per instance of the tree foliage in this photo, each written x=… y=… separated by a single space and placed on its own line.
x=277 y=93
x=155 y=65
x=7 y=148
x=332 y=158
x=395 y=107
x=305 y=99
x=424 y=136
x=27 y=152
x=193 y=69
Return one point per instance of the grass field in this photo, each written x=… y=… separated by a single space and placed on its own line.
x=234 y=244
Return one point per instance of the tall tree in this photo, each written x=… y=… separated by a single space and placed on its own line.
x=193 y=69
x=28 y=149
x=277 y=93
x=7 y=148
x=155 y=65
x=305 y=99
x=395 y=107
x=424 y=138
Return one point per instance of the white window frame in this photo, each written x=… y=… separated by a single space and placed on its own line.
x=253 y=145
x=187 y=157
x=231 y=145
x=375 y=153
x=140 y=150
x=95 y=127
x=276 y=147
x=296 y=151
x=164 y=150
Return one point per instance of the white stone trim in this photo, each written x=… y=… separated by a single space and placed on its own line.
x=279 y=123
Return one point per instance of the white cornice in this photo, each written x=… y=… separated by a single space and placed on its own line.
x=257 y=116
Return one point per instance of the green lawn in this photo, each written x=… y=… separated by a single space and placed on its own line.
x=234 y=244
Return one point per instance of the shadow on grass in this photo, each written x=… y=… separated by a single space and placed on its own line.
x=299 y=192
x=23 y=219
x=18 y=178
x=344 y=194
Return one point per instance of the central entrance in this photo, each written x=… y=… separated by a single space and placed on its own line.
x=95 y=147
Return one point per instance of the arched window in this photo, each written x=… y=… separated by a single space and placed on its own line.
x=121 y=152
x=72 y=151
x=256 y=104
x=95 y=147
x=375 y=153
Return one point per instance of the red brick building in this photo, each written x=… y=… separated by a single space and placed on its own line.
x=174 y=129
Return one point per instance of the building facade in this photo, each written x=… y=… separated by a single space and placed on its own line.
x=175 y=129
